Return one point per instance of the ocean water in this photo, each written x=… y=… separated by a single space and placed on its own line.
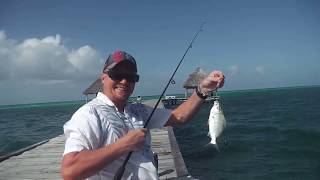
x=24 y=125
x=271 y=133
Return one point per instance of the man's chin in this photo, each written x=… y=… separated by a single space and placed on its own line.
x=123 y=96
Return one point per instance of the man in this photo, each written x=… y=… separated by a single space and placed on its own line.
x=102 y=132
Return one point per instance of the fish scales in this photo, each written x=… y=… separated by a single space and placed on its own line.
x=217 y=122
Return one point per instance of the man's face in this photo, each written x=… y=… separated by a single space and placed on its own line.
x=118 y=89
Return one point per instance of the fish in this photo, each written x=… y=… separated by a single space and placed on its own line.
x=216 y=122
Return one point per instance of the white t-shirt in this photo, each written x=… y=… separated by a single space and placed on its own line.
x=99 y=123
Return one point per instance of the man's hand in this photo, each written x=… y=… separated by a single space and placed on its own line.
x=135 y=139
x=212 y=82
x=82 y=164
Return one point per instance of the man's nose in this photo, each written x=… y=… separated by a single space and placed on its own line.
x=124 y=81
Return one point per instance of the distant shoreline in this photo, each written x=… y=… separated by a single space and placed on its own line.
x=74 y=102
x=274 y=88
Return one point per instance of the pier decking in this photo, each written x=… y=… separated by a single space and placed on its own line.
x=43 y=160
x=170 y=162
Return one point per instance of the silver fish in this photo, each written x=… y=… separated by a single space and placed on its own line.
x=217 y=122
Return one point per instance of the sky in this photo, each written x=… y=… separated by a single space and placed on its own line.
x=53 y=50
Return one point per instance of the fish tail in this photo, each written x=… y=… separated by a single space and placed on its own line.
x=217 y=147
x=213 y=141
x=214 y=144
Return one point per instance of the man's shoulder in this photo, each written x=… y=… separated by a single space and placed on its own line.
x=137 y=107
x=89 y=107
x=88 y=112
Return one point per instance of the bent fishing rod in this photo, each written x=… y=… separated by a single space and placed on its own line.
x=121 y=170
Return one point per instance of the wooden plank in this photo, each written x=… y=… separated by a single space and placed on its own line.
x=169 y=156
x=178 y=160
x=20 y=151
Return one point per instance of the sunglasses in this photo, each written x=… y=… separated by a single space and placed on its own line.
x=119 y=76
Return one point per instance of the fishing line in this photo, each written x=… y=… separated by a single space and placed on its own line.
x=120 y=171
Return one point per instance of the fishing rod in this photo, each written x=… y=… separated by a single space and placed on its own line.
x=120 y=171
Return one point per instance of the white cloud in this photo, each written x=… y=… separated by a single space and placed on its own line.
x=6 y=52
x=3 y=35
x=85 y=59
x=260 y=69
x=233 y=70
x=46 y=59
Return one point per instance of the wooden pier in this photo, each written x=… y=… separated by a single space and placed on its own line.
x=43 y=160
x=170 y=162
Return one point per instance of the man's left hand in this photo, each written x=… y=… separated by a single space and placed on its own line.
x=212 y=82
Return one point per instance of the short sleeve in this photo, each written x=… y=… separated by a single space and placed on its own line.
x=159 y=118
x=83 y=131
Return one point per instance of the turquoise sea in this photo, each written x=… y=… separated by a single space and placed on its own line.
x=271 y=133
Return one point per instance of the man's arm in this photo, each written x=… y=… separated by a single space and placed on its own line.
x=186 y=110
x=80 y=165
